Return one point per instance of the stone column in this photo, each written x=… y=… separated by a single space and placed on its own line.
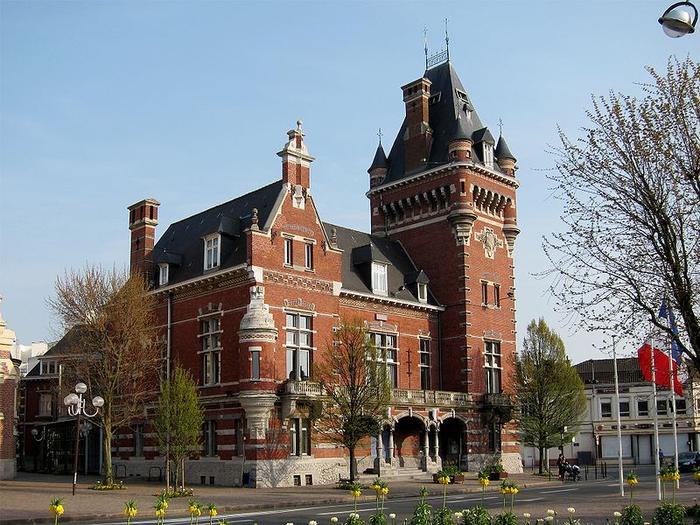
x=391 y=446
x=380 y=455
x=436 y=444
x=426 y=457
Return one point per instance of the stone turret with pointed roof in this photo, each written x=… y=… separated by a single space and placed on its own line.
x=506 y=160
x=377 y=171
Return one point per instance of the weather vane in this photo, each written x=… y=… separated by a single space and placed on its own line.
x=447 y=41
x=500 y=126
x=380 y=135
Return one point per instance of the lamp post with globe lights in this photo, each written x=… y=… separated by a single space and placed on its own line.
x=76 y=407
x=679 y=19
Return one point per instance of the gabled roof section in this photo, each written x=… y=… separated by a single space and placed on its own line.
x=483 y=135
x=361 y=248
x=181 y=245
x=451 y=115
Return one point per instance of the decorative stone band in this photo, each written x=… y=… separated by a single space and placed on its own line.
x=257 y=324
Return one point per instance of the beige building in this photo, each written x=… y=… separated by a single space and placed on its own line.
x=9 y=379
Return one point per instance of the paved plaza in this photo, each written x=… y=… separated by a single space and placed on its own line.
x=25 y=500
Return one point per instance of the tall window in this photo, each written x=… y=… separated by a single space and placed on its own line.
x=379 y=279
x=492 y=355
x=211 y=252
x=497 y=295
x=210 y=336
x=209 y=438
x=46 y=404
x=484 y=292
x=138 y=440
x=300 y=437
x=488 y=155
x=387 y=354
x=299 y=341
x=423 y=292
x=255 y=362
x=309 y=256
x=424 y=351
x=163 y=274
x=288 y=252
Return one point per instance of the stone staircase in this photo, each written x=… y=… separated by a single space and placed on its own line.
x=404 y=473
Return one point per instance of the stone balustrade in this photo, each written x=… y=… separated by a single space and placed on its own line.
x=430 y=397
x=303 y=388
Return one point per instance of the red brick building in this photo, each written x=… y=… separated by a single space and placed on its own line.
x=250 y=290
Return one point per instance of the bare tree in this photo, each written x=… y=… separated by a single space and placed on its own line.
x=117 y=351
x=355 y=382
x=631 y=192
x=550 y=391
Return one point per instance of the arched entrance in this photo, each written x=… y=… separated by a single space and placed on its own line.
x=451 y=440
x=409 y=438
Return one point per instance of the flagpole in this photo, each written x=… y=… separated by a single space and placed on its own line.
x=672 y=385
x=656 y=421
x=619 y=424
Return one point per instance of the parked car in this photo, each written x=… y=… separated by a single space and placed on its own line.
x=687 y=461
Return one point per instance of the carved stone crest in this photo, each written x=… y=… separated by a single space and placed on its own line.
x=490 y=241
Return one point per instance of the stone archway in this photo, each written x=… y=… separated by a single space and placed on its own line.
x=409 y=439
x=452 y=447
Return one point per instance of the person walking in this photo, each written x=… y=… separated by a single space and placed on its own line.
x=561 y=463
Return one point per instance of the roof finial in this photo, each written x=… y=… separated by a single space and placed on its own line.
x=380 y=135
x=500 y=127
x=447 y=41
x=425 y=44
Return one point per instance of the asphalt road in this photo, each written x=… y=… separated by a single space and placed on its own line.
x=594 y=501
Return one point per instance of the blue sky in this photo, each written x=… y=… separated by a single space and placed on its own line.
x=104 y=103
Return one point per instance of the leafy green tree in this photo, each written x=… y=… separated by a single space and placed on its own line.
x=550 y=390
x=356 y=385
x=178 y=423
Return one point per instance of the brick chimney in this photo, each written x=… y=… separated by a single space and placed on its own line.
x=296 y=161
x=418 y=136
x=143 y=219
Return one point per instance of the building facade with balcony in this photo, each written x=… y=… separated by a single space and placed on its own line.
x=249 y=292
x=596 y=439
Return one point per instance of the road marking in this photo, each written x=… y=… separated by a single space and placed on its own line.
x=343 y=511
x=530 y=500
x=555 y=491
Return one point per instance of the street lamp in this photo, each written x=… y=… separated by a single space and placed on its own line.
x=679 y=19
x=76 y=407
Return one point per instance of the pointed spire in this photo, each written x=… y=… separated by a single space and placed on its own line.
x=461 y=129
x=380 y=160
x=502 y=151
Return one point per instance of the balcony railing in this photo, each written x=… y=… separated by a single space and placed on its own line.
x=497 y=400
x=303 y=388
x=430 y=397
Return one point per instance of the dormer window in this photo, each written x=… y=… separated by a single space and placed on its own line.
x=163 y=274
x=211 y=251
x=423 y=292
x=379 y=279
x=48 y=367
x=488 y=155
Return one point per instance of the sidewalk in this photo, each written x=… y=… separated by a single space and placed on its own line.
x=26 y=499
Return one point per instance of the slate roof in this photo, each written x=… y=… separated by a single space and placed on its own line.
x=182 y=246
x=379 y=160
x=360 y=248
x=601 y=371
x=64 y=346
x=452 y=103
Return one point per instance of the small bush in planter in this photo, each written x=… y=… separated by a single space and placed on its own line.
x=632 y=515
x=669 y=514
x=476 y=516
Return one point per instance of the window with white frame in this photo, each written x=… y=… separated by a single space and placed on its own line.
x=379 y=279
x=163 y=274
x=484 y=293
x=46 y=404
x=387 y=353
x=48 y=367
x=299 y=346
x=211 y=251
x=309 y=256
x=209 y=438
x=255 y=362
x=300 y=437
x=661 y=407
x=492 y=366
x=605 y=408
x=642 y=408
x=210 y=336
x=424 y=351
x=624 y=408
x=497 y=295
x=288 y=251
x=423 y=292
x=680 y=406
x=488 y=154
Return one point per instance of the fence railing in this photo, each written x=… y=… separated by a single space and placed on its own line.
x=430 y=397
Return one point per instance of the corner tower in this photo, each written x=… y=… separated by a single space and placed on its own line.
x=444 y=189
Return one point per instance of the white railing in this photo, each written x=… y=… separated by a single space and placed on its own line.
x=430 y=397
x=303 y=388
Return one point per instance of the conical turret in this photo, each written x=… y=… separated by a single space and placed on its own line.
x=377 y=171
x=506 y=160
